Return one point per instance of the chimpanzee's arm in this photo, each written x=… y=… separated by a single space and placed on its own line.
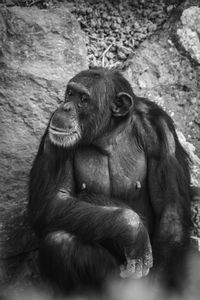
x=169 y=186
x=169 y=191
x=50 y=211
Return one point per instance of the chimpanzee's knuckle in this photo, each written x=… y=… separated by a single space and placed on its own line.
x=63 y=194
x=148 y=260
x=58 y=237
x=131 y=218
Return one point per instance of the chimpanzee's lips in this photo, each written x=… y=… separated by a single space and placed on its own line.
x=59 y=131
x=64 y=138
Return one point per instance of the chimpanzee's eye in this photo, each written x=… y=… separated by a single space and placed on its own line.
x=84 y=98
x=69 y=92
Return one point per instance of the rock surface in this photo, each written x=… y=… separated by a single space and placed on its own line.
x=116 y=28
x=160 y=71
x=189 y=32
x=40 y=50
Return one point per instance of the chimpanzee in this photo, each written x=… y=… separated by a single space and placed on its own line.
x=109 y=191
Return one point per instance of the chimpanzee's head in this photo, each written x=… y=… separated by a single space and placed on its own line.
x=96 y=100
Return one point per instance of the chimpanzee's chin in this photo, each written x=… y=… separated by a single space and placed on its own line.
x=64 y=139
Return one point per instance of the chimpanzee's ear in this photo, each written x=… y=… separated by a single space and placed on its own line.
x=122 y=105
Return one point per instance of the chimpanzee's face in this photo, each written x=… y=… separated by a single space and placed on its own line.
x=87 y=111
x=78 y=119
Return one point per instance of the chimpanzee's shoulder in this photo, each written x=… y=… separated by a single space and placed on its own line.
x=153 y=127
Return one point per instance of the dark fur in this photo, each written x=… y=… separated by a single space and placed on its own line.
x=66 y=262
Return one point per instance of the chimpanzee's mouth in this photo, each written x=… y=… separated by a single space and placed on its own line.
x=59 y=131
x=64 y=138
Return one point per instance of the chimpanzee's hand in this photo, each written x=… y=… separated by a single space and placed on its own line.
x=63 y=194
x=138 y=249
x=138 y=267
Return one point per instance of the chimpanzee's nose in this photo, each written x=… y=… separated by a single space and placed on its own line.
x=67 y=106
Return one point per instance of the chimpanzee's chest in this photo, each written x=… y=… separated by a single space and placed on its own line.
x=117 y=174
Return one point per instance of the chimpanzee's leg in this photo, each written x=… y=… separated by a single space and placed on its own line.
x=73 y=265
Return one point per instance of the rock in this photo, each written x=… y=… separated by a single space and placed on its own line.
x=169 y=8
x=195 y=243
x=191 y=18
x=121 y=55
x=195 y=167
x=121 y=20
x=40 y=50
x=189 y=32
x=159 y=71
x=9 y=3
x=146 y=80
x=152 y=27
x=193 y=100
x=93 y=23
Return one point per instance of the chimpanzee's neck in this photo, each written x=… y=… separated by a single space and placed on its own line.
x=112 y=140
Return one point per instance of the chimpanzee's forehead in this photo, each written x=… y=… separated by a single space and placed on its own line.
x=92 y=87
x=89 y=78
x=78 y=86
